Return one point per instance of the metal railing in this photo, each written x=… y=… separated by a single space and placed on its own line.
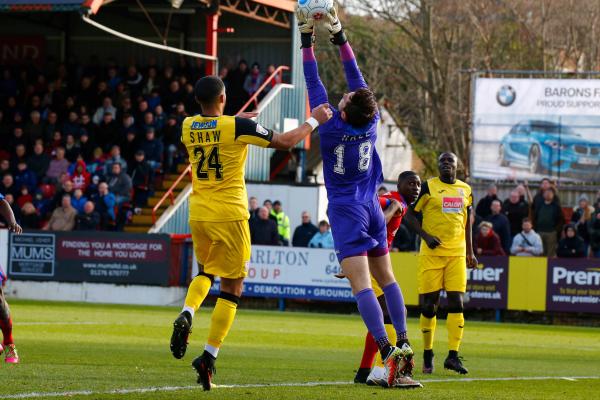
x=254 y=99
x=271 y=118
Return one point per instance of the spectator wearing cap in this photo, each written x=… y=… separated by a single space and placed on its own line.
x=263 y=230
x=487 y=241
x=571 y=245
x=63 y=217
x=527 y=242
x=323 y=239
x=283 y=223
x=153 y=149
x=548 y=221
x=304 y=232
x=141 y=177
x=88 y=219
x=254 y=80
x=500 y=223
x=484 y=206
x=119 y=183
x=582 y=215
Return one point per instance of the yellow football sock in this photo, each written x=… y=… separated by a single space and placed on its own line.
x=392 y=337
x=197 y=292
x=428 y=330
x=455 y=323
x=221 y=321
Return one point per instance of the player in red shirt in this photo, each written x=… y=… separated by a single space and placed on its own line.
x=395 y=205
x=8 y=345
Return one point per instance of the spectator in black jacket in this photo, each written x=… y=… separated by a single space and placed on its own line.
x=581 y=217
x=501 y=225
x=571 y=246
x=303 y=233
x=483 y=208
x=107 y=133
x=253 y=208
x=141 y=177
x=515 y=208
x=548 y=221
x=89 y=219
x=263 y=230
x=153 y=149
x=39 y=161
x=119 y=183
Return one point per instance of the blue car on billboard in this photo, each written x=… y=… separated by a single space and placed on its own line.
x=548 y=147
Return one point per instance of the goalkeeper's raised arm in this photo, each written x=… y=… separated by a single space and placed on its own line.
x=316 y=91
x=338 y=37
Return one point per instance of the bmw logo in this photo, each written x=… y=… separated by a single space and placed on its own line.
x=506 y=95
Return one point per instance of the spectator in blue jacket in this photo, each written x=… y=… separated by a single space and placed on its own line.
x=105 y=204
x=322 y=239
x=25 y=177
x=501 y=225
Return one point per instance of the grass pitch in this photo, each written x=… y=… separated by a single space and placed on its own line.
x=82 y=351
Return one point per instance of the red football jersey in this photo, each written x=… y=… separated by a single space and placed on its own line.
x=394 y=224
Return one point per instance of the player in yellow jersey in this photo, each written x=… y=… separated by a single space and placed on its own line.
x=446 y=251
x=217 y=146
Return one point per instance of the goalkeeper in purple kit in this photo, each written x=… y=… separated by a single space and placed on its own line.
x=353 y=172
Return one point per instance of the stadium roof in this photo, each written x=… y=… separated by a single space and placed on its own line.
x=93 y=5
x=49 y=5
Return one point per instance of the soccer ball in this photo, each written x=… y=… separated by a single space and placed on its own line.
x=314 y=8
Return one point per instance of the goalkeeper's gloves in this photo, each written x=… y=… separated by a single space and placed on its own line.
x=333 y=24
x=306 y=27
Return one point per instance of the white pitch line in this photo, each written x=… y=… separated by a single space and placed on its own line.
x=267 y=385
x=35 y=323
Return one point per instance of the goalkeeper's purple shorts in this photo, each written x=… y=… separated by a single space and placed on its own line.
x=358 y=229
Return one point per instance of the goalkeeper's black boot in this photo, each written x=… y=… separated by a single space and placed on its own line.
x=205 y=368
x=454 y=363
x=361 y=375
x=428 y=362
x=182 y=327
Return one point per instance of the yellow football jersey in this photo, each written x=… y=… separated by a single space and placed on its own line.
x=217 y=149
x=444 y=207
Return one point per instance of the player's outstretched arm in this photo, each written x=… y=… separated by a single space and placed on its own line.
x=287 y=140
x=338 y=37
x=9 y=217
x=316 y=90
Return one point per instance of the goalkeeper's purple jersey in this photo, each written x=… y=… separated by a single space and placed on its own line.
x=351 y=165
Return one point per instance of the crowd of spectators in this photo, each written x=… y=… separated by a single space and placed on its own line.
x=535 y=225
x=97 y=134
